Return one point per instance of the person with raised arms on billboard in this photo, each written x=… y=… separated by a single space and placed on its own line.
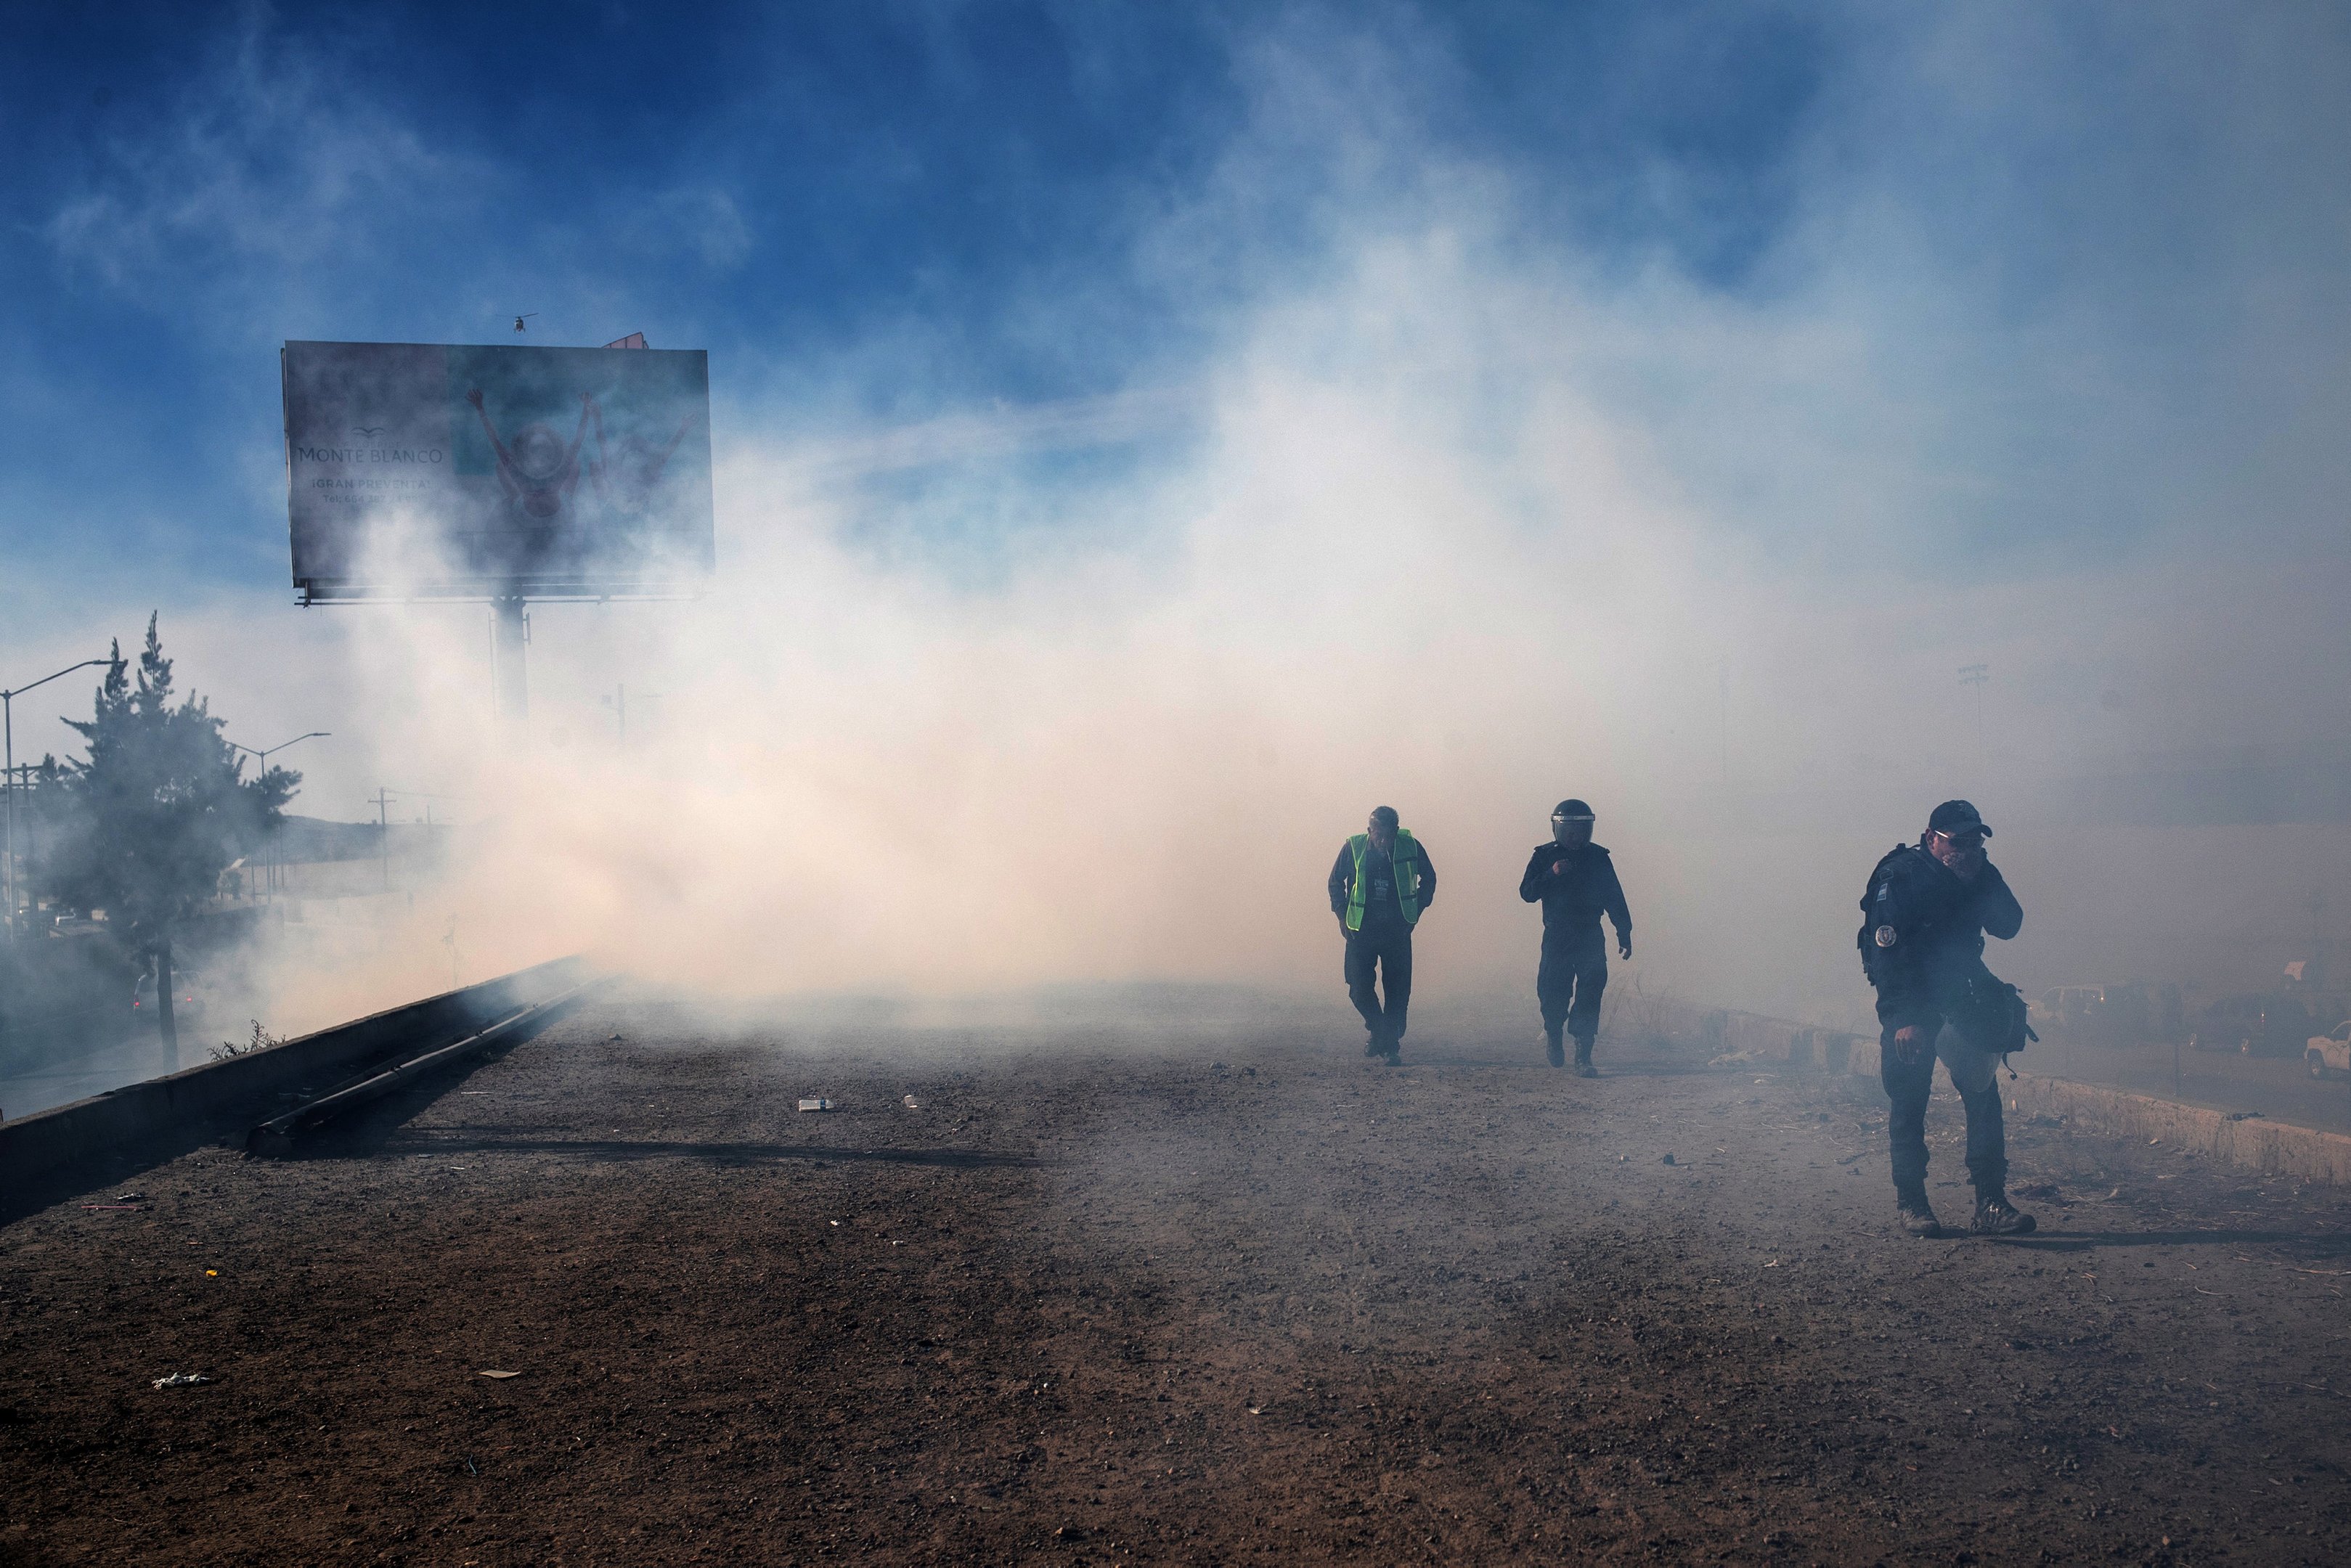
x=538 y=472
x=626 y=483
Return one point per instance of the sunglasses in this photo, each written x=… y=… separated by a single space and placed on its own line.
x=1962 y=841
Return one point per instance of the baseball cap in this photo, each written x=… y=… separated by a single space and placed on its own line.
x=1955 y=816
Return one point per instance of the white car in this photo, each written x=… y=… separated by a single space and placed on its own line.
x=2329 y=1054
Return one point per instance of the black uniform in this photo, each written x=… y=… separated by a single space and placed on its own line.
x=1575 y=970
x=1383 y=946
x=1922 y=940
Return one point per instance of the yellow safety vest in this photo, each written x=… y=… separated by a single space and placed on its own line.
x=1406 y=860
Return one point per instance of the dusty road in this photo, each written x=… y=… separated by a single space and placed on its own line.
x=1097 y=1299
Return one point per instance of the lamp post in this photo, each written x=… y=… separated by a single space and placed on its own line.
x=263 y=757
x=8 y=740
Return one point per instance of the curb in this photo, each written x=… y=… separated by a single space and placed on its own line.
x=2273 y=1148
x=2250 y=1142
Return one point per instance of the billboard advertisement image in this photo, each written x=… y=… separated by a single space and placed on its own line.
x=441 y=470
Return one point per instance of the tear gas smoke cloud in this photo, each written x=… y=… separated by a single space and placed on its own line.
x=1463 y=516
x=1410 y=561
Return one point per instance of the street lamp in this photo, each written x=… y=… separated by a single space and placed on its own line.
x=8 y=738
x=264 y=757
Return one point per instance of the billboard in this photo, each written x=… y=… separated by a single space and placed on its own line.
x=442 y=470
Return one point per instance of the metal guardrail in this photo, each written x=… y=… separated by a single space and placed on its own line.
x=277 y=1135
x=217 y=1098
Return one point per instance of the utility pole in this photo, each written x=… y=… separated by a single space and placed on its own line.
x=9 y=779
x=1976 y=675
x=21 y=776
x=383 y=832
x=383 y=797
x=2316 y=972
x=1722 y=697
x=620 y=708
x=269 y=866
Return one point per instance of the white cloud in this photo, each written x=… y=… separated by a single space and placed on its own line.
x=273 y=158
x=709 y=223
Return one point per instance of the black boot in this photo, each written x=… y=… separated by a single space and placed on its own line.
x=1995 y=1216
x=1553 y=1051
x=1918 y=1213
x=1584 y=1068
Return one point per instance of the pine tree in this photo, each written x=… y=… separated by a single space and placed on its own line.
x=157 y=812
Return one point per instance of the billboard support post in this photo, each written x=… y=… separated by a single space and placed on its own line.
x=510 y=674
x=440 y=472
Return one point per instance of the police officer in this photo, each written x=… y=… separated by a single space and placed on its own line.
x=1576 y=881
x=1922 y=941
x=1380 y=883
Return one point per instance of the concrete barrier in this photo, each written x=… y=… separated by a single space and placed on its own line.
x=2273 y=1148
x=185 y=1108
x=1801 y=1047
x=2253 y=1142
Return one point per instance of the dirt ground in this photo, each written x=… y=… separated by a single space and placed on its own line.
x=1097 y=1297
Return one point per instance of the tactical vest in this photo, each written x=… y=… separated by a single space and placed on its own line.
x=1404 y=860
x=1879 y=931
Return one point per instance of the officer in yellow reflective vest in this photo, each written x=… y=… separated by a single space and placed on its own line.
x=1380 y=885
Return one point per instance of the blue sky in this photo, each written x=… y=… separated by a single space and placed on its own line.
x=2087 y=260
x=787 y=186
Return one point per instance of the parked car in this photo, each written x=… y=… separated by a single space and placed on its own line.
x=2054 y=1010
x=190 y=993
x=2329 y=1055
x=2253 y=1025
x=2101 y=1015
